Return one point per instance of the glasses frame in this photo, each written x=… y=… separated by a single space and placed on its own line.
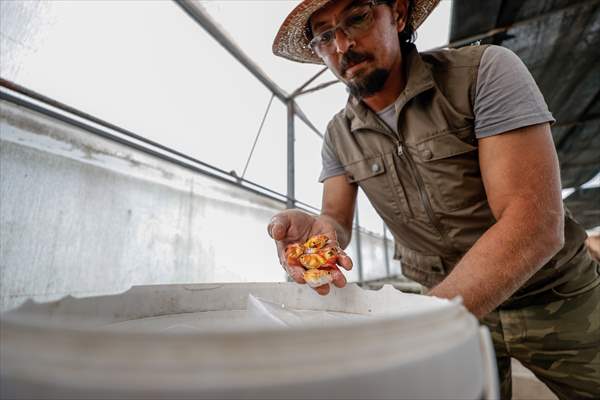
x=313 y=43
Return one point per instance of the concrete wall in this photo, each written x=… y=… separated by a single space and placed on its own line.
x=83 y=215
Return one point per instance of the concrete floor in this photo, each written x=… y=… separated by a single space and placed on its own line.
x=526 y=386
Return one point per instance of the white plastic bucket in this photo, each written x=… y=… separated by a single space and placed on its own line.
x=203 y=341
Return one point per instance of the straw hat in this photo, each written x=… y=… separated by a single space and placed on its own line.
x=291 y=41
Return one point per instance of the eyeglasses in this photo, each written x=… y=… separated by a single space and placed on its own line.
x=355 y=23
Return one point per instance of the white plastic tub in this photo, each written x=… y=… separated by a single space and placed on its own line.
x=203 y=341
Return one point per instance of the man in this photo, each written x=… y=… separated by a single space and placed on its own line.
x=453 y=149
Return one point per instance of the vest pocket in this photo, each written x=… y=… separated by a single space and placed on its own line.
x=373 y=176
x=364 y=169
x=450 y=170
x=428 y=270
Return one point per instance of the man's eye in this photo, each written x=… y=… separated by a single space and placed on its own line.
x=326 y=37
x=356 y=19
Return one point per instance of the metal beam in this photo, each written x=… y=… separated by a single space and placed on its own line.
x=308 y=82
x=195 y=10
x=184 y=161
x=291 y=192
x=262 y=123
x=34 y=101
x=305 y=119
x=318 y=87
x=385 y=251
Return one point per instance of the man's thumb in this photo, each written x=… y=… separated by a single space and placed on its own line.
x=278 y=228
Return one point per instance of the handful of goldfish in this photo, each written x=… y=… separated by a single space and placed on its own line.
x=317 y=256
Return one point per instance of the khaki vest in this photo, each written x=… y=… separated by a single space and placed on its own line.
x=425 y=182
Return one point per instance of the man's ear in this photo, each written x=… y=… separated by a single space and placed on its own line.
x=400 y=11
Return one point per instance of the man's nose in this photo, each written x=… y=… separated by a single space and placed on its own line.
x=342 y=41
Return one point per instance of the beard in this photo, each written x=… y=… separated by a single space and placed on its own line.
x=367 y=85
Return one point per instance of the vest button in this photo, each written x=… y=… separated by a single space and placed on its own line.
x=375 y=167
x=427 y=154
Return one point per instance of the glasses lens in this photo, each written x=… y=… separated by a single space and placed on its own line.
x=355 y=23
x=322 y=42
x=358 y=21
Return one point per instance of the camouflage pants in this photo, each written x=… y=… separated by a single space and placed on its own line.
x=559 y=341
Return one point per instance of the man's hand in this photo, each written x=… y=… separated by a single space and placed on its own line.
x=294 y=226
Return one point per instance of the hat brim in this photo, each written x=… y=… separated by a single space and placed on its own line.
x=292 y=43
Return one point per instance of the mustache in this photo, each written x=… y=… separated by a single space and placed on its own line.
x=351 y=58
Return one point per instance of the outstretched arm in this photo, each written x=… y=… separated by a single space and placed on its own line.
x=335 y=221
x=522 y=181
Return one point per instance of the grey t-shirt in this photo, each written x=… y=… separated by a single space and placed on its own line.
x=506 y=98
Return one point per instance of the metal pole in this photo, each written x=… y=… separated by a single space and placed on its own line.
x=385 y=251
x=305 y=84
x=291 y=194
x=316 y=88
x=358 y=248
x=199 y=14
x=262 y=123
x=305 y=119
x=135 y=141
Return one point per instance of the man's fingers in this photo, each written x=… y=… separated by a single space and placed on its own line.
x=322 y=290
x=279 y=231
x=296 y=273
x=278 y=227
x=344 y=261
x=339 y=279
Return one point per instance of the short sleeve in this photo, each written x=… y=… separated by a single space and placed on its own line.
x=331 y=164
x=506 y=95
